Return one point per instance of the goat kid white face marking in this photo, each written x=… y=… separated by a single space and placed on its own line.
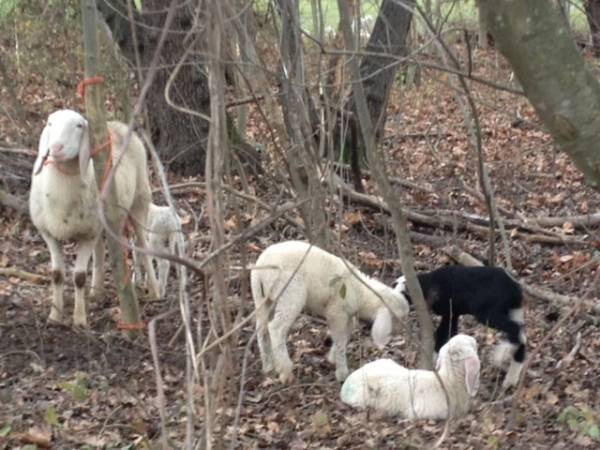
x=400 y=285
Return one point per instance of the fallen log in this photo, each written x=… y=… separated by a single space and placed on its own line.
x=453 y=223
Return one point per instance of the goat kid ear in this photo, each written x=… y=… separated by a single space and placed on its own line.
x=472 y=366
x=381 y=331
x=84 y=152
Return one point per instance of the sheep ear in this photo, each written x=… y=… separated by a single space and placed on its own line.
x=84 y=152
x=472 y=365
x=381 y=330
x=43 y=150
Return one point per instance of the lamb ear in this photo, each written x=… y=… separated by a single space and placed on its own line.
x=381 y=331
x=472 y=365
x=84 y=152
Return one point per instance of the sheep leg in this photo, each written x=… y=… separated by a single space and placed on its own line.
x=331 y=353
x=141 y=241
x=288 y=308
x=58 y=278
x=163 y=272
x=84 y=253
x=97 y=268
x=339 y=325
x=137 y=269
x=262 y=336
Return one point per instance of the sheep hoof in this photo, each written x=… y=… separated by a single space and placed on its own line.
x=286 y=377
x=96 y=293
x=341 y=374
x=267 y=367
x=80 y=322
x=55 y=318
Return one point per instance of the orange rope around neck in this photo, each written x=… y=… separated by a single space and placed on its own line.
x=59 y=168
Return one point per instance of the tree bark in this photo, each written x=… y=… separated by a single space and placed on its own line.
x=566 y=95
x=179 y=137
x=592 y=13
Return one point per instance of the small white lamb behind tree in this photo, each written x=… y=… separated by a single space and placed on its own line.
x=391 y=389
x=291 y=276
x=63 y=202
x=164 y=225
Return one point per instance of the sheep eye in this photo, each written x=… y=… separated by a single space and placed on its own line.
x=79 y=125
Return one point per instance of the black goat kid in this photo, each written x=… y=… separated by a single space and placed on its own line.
x=489 y=294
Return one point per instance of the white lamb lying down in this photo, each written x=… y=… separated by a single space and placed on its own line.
x=295 y=275
x=390 y=389
x=163 y=226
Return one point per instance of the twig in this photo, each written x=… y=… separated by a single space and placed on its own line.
x=160 y=392
x=567 y=359
x=33 y=277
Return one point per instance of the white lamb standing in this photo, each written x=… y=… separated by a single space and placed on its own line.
x=164 y=225
x=292 y=276
x=391 y=389
x=63 y=202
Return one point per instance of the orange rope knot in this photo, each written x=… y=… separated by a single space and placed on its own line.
x=83 y=84
x=131 y=326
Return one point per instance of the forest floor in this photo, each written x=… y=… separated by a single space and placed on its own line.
x=66 y=388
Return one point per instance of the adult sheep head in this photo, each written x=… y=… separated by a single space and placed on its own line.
x=65 y=137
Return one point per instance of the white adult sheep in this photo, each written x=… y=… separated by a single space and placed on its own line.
x=390 y=389
x=63 y=202
x=294 y=275
x=163 y=227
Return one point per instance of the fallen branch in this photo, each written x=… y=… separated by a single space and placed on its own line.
x=465 y=259
x=586 y=220
x=13 y=202
x=453 y=223
x=18 y=273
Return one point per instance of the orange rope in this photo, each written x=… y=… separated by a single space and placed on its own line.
x=83 y=84
x=59 y=168
x=131 y=326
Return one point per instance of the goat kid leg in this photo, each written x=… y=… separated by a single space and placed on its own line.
x=84 y=253
x=517 y=340
x=58 y=278
x=97 y=268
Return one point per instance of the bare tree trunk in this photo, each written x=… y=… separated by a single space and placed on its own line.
x=566 y=95
x=592 y=13
x=179 y=137
x=94 y=102
x=303 y=157
x=378 y=70
x=376 y=161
